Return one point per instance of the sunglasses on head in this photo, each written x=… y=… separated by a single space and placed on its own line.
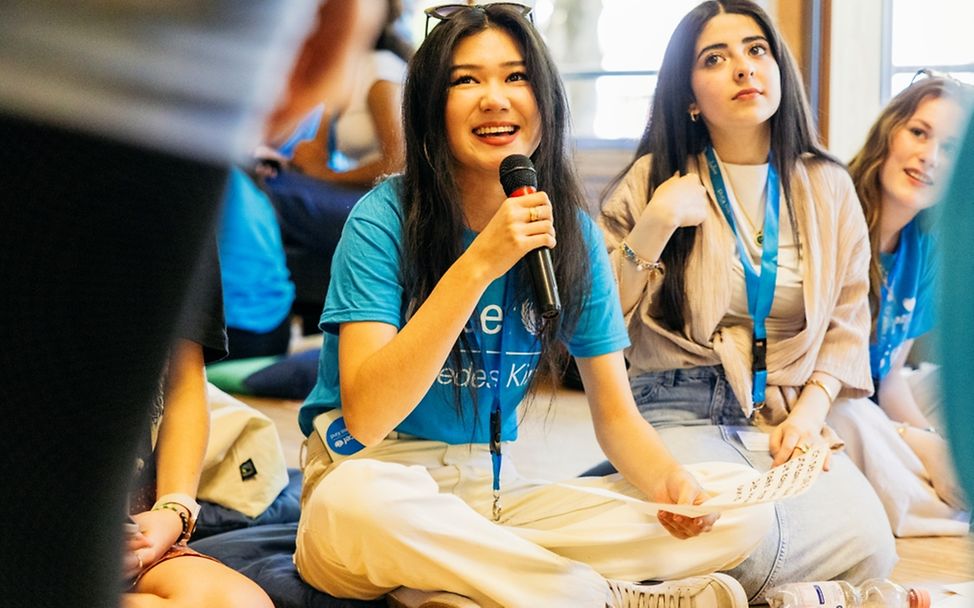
x=446 y=12
x=924 y=73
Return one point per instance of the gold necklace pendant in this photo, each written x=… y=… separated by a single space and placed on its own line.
x=759 y=238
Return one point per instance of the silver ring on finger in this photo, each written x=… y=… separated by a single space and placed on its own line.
x=138 y=556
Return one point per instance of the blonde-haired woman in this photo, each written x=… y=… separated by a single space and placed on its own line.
x=897 y=444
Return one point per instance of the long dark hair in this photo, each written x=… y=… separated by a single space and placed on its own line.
x=434 y=219
x=671 y=137
x=866 y=167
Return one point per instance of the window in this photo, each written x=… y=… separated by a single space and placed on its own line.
x=926 y=34
x=609 y=52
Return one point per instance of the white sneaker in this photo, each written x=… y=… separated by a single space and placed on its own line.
x=708 y=591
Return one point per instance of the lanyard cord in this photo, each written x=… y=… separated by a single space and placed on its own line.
x=760 y=283
x=488 y=358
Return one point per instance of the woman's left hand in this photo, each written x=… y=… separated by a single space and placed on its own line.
x=801 y=431
x=678 y=486
x=160 y=529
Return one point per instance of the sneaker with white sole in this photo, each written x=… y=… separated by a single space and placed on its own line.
x=707 y=591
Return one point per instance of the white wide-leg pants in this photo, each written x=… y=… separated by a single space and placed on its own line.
x=416 y=513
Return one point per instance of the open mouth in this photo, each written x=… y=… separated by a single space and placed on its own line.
x=919 y=176
x=496 y=131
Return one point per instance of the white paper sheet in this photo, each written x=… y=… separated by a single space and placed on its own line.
x=789 y=479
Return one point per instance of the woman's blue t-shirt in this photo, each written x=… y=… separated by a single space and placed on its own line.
x=366 y=285
x=907 y=297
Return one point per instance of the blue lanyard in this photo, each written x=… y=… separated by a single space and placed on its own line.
x=495 y=360
x=760 y=283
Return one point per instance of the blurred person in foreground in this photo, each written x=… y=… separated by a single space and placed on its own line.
x=956 y=292
x=119 y=120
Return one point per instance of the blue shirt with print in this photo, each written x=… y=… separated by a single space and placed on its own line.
x=366 y=285
x=907 y=298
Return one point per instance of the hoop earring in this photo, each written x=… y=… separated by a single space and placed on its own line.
x=694 y=116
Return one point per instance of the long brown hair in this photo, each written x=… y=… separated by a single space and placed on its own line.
x=867 y=165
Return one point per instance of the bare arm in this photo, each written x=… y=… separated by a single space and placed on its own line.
x=311 y=155
x=647 y=228
x=809 y=406
x=185 y=425
x=895 y=396
x=634 y=446
x=179 y=453
x=344 y=32
x=384 y=101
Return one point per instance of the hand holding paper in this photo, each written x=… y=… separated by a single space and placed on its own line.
x=789 y=479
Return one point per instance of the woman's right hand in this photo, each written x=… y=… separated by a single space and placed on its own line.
x=134 y=543
x=934 y=455
x=158 y=531
x=521 y=224
x=678 y=202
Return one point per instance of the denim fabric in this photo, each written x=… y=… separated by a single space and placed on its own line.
x=836 y=529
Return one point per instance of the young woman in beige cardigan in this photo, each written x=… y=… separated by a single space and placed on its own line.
x=729 y=110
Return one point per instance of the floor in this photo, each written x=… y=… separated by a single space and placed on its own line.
x=557 y=442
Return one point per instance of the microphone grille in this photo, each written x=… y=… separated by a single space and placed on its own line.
x=517 y=171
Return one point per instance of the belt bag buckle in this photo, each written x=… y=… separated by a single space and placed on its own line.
x=330 y=426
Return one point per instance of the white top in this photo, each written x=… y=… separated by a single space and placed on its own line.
x=192 y=77
x=746 y=189
x=355 y=135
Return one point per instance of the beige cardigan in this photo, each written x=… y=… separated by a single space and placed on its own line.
x=835 y=249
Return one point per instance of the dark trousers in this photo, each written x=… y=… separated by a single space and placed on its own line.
x=97 y=243
x=312 y=214
x=245 y=344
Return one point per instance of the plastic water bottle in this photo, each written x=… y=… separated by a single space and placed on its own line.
x=874 y=593
x=883 y=593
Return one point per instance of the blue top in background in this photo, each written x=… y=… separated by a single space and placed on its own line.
x=257 y=289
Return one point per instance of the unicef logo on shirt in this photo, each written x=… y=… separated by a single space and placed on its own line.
x=530 y=318
x=339 y=440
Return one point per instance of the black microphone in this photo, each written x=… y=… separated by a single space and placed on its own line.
x=518 y=178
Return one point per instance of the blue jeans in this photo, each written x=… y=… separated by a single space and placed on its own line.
x=835 y=530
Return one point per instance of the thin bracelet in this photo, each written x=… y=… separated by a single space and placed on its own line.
x=640 y=263
x=821 y=385
x=901 y=428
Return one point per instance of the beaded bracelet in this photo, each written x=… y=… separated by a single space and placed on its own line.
x=640 y=263
x=184 y=517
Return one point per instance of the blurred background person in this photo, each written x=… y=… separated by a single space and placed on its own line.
x=355 y=142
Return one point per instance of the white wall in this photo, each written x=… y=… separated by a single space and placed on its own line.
x=856 y=64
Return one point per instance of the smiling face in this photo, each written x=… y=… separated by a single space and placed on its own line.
x=919 y=151
x=735 y=80
x=491 y=111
